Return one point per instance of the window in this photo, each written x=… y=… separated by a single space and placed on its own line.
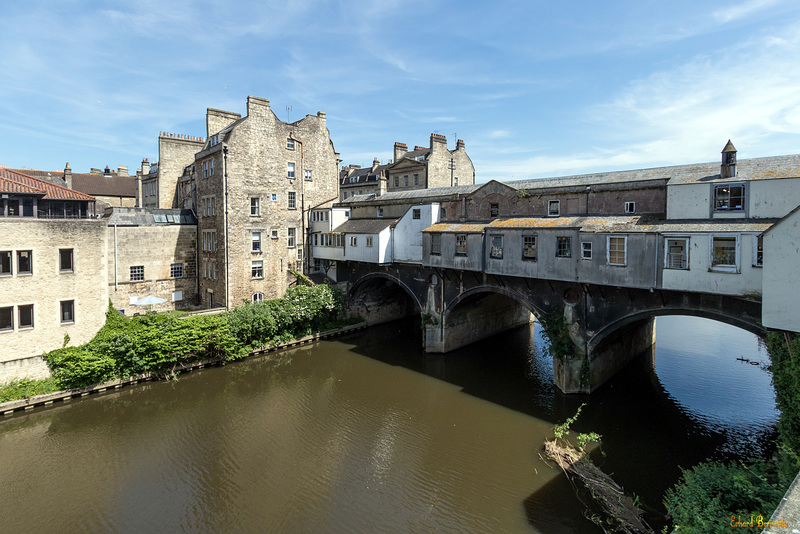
x=436 y=243
x=300 y=254
x=758 y=251
x=554 y=208
x=291 y=235
x=213 y=140
x=5 y=262
x=416 y=179
x=258 y=297
x=405 y=181
x=415 y=214
x=494 y=210
x=630 y=207
x=380 y=212
x=617 y=250
x=290 y=144
x=353 y=241
x=137 y=273
x=290 y=170
x=213 y=206
x=25 y=316
x=677 y=253
x=369 y=241
x=208 y=168
x=257 y=269
x=209 y=240
x=397 y=181
x=24 y=262
x=256 y=242
x=307 y=174
x=317 y=265
x=723 y=253
x=443 y=213
x=586 y=250
x=274 y=197
x=255 y=206
x=455 y=181
x=461 y=244
x=292 y=204
x=497 y=247
x=67 y=311
x=563 y=246
x=529 y=247
x=7 y=318
x=176 y=270
x=274 y=234
x=729 y=197
x=177 y=295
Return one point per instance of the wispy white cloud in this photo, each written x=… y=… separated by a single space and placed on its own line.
x=734 y=12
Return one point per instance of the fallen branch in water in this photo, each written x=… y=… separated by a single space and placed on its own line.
x=621 y=512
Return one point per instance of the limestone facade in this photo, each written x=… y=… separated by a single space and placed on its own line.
x=60 y=286
x=431 y=167
x=275 y=173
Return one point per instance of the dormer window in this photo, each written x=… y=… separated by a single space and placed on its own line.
x=729 y=197
x=213 y=140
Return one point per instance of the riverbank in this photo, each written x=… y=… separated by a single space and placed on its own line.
x=48 y=399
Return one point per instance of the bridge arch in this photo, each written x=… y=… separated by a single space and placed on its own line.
x=380 y=297
x=473 y=292
x=612 y=329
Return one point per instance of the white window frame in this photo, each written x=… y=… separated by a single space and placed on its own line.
x=624 y=250
x=291 y=237
x=586 y=250
x=353 y=241
x=258 y=296
x=568 y=250
x=136 y=275
x=682 y=257
x=756 y=261
x=724 y=267
x=274 y=197
x=257 y=269
x=461 y=250
x=289 y=143
x=255 y=206
x=291 y=200
x=255 y=238
x=369 y=241
x=290 y=170
x=307 y=175
x=630 y=207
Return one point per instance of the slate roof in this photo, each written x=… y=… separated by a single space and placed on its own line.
x=16 y=182
x=90 y=183
x=365 y=226
x=423 y=195
x=746 y=169
x=362 y=176
x=616 y=224
x=148 y=217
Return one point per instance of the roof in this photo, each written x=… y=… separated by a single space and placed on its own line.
x=747 y=169
x=17 y=182
x=148 y=217
x=607 y=224
x=114 y=185
x=365 y=226
x=412 y=195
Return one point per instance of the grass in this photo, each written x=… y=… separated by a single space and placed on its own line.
x=25 y=388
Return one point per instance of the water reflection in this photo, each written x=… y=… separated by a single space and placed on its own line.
x=370 y=434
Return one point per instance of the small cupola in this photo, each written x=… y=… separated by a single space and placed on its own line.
x=728 y=169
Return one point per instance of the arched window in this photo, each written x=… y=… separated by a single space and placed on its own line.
x=258 y=297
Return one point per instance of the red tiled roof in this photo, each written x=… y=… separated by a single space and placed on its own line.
x=94 y=184
x=16 y=182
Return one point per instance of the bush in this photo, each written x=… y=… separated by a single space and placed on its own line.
x=26 y=388
x=76 y=367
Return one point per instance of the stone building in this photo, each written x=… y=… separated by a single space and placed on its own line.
x=159 y=182
x=53 y=277
x=274 y=173
x=152 y=252
x=427 y=168
x=353 y=180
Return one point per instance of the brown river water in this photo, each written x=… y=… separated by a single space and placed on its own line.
x=369 y=434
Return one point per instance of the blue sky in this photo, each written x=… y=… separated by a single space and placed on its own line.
x=534 y=88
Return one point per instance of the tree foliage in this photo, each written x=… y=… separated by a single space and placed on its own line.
x=159 y=343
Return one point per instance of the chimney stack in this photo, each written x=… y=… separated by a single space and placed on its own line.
x=68 y=176
x=145 y=167
x=399 y=150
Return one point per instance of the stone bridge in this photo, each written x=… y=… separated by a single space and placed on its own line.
x=604 y=327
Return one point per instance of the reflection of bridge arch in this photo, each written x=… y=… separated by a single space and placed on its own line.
x=640 y=316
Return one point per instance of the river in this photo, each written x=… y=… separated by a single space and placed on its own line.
x=370 y=434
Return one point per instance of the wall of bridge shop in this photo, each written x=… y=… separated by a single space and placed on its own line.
x=380 y=300
x=482 y=316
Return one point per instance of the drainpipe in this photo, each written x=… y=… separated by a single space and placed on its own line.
x=302 y=180
x=115 y=258
x=655 y=263
x=227 y=243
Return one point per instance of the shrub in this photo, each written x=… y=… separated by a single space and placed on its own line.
x=76 y=367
